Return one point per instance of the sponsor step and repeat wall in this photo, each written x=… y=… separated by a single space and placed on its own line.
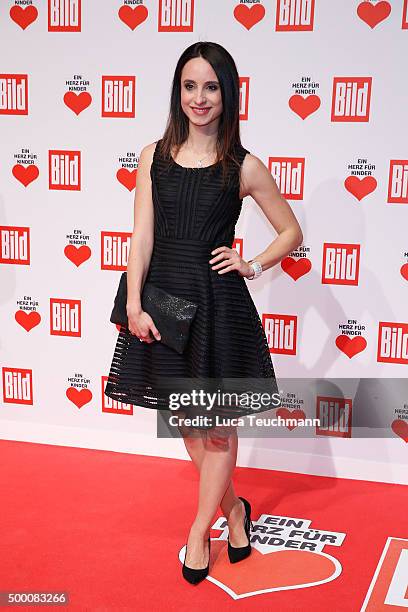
x=84 y=85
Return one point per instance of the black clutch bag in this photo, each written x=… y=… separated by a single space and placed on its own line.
x=171 y=314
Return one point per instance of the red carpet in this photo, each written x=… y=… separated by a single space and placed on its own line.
x=107 y=528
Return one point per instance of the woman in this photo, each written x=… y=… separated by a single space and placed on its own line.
x=190 y=187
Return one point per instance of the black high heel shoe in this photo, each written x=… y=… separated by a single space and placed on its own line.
x=194 y=576
x=242 y=552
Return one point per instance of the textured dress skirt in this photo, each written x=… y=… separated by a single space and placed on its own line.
x=227 y=349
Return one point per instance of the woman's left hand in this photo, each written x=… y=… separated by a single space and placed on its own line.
x=229 y=260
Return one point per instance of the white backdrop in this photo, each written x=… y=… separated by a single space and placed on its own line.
x=323 y=106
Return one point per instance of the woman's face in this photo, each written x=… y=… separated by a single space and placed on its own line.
x=200 y=89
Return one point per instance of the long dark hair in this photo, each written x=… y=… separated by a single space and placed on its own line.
x=176 y=131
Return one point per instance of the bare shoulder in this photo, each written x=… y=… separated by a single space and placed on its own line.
x=146 y=154
x=252 y=163
x=253 y=170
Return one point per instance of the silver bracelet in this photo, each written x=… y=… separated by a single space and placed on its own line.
x=257 y=268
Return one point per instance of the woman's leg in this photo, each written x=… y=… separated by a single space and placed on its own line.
x=214 y=453
x=231 y=506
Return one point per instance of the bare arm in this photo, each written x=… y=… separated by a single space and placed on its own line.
x=141 y=243
x=257 y=181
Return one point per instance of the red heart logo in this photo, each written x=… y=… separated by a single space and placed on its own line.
x=404 y=271
x=284 y=413
x=264 y=573
x=133 y=17
x=23 y=16
x=400 y=427
x=77 y=254
x=25 y=174
x=360 y=188
x=79 y=397
x=248 y=16
x=351 y=346
x=127 y=178
x=28 y=320
x=77 y=102
x=304 y=106
x=373 y=14
x=296 y=267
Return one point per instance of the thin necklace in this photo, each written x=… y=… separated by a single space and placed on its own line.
x=200 y=161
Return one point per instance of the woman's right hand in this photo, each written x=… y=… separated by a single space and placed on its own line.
x=140 y=324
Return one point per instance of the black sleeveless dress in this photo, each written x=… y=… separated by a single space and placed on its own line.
x=193 y=214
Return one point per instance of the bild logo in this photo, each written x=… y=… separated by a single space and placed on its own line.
x=389 y=586
x=288 y=173
x=64 y=15
x=65 y=317
x=351 y=99
x=398 y=182
x=176 y=15
x=112 y=406
x=64 y=170
x=295 y=15
x=335 y=416
x=17 y=386
x=13 y=94
x=281 y=333
x=118 y=96
x=243 y=98
x=238 y=245
x=115 y=248
x=341 y=264
x=15 y=245
x=392 y=342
